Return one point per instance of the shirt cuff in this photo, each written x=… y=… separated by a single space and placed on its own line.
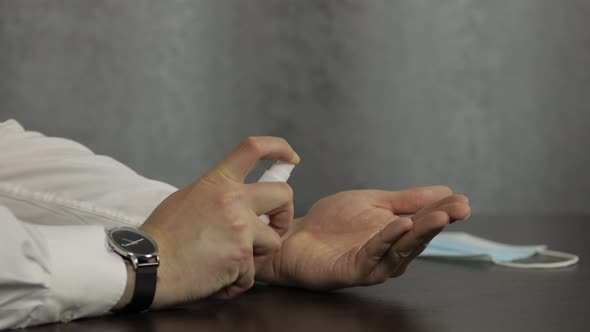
x=86 y=277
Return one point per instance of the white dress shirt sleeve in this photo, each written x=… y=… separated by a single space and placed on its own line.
x=67 y=175
x=55 y=273
x=56 y=198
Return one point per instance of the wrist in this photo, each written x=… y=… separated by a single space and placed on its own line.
x=166 y=285
x=139 y=252
x=273 y=273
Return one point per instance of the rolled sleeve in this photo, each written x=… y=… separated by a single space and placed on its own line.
x=55 y=273
x=87 y=278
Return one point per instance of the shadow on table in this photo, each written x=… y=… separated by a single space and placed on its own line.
x=265 y=309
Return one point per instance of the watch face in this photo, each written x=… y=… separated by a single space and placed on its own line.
x=133 y=241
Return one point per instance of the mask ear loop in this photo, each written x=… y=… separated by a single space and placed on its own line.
x=570 y=259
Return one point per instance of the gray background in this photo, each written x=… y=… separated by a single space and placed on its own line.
x=490 y=97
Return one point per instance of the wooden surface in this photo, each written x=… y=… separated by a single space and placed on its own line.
x=431 y=296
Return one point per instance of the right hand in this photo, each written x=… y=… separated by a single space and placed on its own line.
x=209 y=236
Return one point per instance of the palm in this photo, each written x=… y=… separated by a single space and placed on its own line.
x=349 y=239
x=325 y=243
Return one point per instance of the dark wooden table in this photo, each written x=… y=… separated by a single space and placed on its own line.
x=431 y=296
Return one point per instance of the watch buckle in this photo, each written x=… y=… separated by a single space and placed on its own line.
x=149 y=261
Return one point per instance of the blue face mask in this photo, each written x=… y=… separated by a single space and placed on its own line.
x=460 y=245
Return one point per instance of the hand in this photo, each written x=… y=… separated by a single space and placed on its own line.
x=356 y=238
x=209 y=236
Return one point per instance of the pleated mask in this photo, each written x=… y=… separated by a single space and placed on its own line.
x=464 y=246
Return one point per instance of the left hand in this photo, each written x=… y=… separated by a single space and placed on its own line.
x=356 y=238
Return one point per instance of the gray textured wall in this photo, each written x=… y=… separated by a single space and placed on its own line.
x=491 y=97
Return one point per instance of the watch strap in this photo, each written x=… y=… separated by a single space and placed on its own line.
x=146 y=278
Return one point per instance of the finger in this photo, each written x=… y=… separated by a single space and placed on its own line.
x=456 y=211
x=264 y=197
x=446 y=203
x=423 y=230
x=266 y=240
x=407 y=260
x=371 y=252
x=281 y=220
x=274 y=199
x=403 y=266
x=242 y=160
x=244 y=282
x=412 y=200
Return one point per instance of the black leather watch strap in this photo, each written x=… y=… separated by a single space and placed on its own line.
x=146 y=278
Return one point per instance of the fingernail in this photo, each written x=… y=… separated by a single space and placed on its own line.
x=404 y=254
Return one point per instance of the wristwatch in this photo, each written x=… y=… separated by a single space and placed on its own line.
x=141 y=251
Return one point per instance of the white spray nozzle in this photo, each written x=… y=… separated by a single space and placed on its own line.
x=278 y=172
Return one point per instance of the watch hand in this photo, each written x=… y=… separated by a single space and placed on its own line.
x=127 y=240
x=132 y=243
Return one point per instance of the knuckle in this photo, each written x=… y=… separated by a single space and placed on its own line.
x=244 y=253
x=419 y=198
x=209 y=178
x=447 y=189
x=252 y=144
x=240 y=256
x=232 y=271
x=238 y=226
x=249 y=283
x=228 y=198
x=282 y=140
x=287 y=189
